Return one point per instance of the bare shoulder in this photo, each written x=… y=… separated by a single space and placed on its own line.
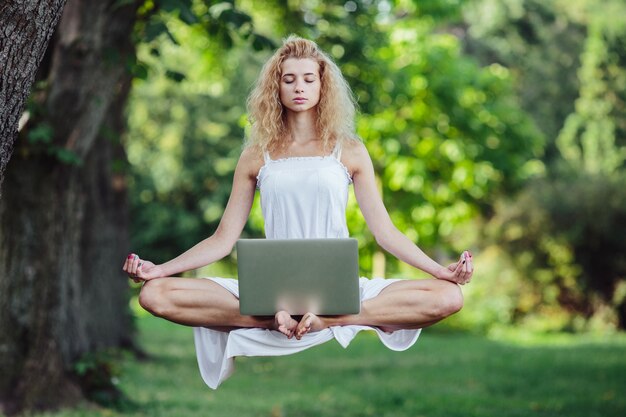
x=250 y=161
x=355 y=156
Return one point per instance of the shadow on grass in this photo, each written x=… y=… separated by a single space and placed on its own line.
x=443 y=374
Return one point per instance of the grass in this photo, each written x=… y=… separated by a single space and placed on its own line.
x=444 y=374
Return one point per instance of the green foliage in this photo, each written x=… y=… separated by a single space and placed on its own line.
x=539 y=42
x=185 y=136
x=593 y=138
x=42 y=133
x=39 y=136
x=185 y=130
x=98 y=375
x=444 y=133
x=563 y=237
x=563 y=234
x=447 y=135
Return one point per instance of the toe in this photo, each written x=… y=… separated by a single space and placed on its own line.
x=304 y=326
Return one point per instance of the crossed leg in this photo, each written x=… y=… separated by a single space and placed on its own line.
x=198 y=303
x=409 y=304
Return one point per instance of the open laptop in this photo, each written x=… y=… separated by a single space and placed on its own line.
x=320 y=276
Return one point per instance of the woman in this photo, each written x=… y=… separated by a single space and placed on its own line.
x=302 y=149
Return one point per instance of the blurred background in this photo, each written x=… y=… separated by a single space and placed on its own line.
x=497 y=126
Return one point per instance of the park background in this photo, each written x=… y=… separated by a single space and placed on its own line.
x=498 y=126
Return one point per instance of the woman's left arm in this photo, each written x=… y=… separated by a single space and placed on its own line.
x=383 y=229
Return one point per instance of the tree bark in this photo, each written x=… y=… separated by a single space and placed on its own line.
x=63 y=226
x=26 y=27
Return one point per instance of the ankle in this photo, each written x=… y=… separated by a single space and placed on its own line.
x=257 y=321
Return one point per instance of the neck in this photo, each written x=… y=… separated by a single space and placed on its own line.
x=301 y=126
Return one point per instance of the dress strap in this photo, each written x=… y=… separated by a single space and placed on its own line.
x=266 y=157
x=337 y=151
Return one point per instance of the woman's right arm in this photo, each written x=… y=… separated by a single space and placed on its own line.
x=221 y=243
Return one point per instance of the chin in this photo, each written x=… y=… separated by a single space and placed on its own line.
x=300 y=109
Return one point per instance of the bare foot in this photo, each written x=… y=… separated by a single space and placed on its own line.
x=284 y=323
x=309 y=323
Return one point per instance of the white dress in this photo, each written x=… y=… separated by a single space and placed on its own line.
x=301 y=197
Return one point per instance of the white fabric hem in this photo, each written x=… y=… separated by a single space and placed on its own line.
x=216 y=350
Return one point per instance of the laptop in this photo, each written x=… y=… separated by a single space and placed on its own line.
x=320 y=276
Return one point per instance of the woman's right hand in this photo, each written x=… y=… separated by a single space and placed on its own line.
x=459 y=272
x=140 y=269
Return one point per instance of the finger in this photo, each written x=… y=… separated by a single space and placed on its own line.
x=459 y=267
x=469 y=273
x=469 y=264
x=126 y=264
x=129 y=260
x=459 y=272
x=134 y=262
x=468 y=261
x=462 y=270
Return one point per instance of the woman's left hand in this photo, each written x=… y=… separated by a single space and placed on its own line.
x=140 y=269
x=459 y=272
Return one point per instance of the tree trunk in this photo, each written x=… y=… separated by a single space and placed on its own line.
x=25 y=30
x=63 y=225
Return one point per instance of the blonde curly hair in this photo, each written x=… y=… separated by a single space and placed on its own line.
x=336 y=109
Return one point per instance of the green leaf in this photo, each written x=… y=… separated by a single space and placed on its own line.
x=156 y=28
x=67 y=156
x=42 y=133
x=217 y=9
x=140 y=71
x=121 y=3
x=188 y=16
x=183 y=7
x=175 y=75
x=260 y=42
x=172 y=5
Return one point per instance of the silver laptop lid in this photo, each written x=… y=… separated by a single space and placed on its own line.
x=299 y=276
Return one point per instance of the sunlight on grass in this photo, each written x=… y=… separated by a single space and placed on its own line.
x=444 y=374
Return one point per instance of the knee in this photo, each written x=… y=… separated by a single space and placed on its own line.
x=450 y=299
x=152 y=296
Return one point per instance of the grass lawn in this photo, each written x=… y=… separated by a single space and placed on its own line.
x=444 y=374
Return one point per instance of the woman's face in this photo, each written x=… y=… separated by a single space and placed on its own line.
x=300 y=84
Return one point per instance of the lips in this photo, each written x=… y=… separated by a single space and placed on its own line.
x=299 y=100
